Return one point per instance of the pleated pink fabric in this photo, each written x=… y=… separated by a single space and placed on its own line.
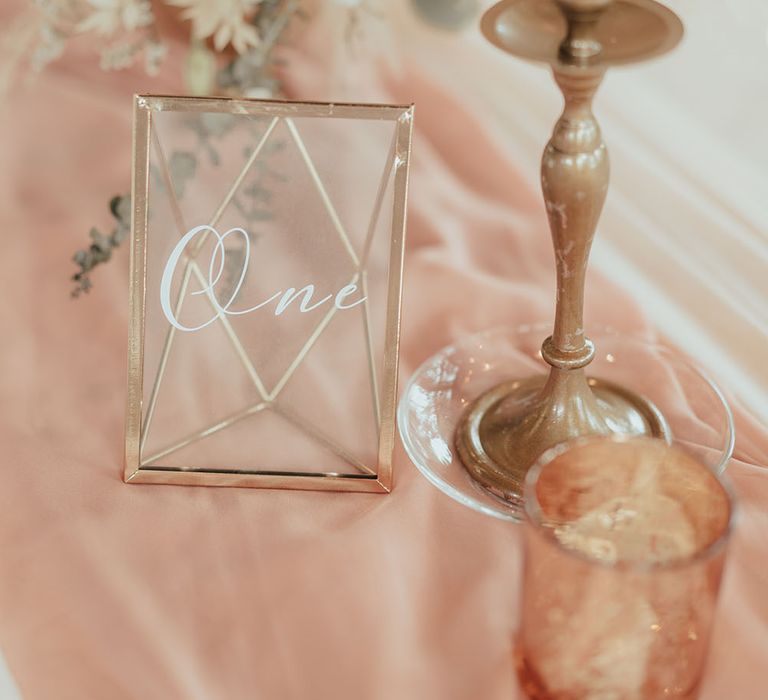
x=116 y=592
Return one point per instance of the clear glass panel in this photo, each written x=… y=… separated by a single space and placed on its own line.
x=267 y=281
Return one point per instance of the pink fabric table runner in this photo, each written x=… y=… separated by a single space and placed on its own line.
x=143 y=592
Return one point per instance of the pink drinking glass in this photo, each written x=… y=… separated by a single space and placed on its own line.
x=625 y=541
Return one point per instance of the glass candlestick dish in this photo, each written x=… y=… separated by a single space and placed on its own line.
x=436 y=398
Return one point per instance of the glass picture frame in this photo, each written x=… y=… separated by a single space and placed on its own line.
x=267 y=245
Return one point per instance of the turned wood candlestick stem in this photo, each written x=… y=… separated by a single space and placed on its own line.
x=574 y=180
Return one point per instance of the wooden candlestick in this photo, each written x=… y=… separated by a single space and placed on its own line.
x=507 y=428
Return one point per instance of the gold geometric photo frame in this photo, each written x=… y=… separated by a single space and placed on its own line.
x=267 y=244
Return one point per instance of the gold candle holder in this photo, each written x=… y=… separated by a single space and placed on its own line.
x=507 y=428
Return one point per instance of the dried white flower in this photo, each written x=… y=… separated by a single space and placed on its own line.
x=224 y=20
x=64 y=14
x=107 y=17
x=50 y=47
x=154 y=55
x=118 y=57
x=59 y=19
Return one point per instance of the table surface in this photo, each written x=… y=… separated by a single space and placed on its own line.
x=123 y=592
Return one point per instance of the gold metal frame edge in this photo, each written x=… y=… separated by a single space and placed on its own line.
x=134 y=473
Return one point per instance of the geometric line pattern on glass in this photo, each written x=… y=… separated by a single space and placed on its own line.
x=384 y=393
x=269 y=398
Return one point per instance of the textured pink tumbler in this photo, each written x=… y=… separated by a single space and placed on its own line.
x=625 y=541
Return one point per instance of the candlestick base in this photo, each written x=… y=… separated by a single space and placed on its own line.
x=506 y=429
x=629 y=379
